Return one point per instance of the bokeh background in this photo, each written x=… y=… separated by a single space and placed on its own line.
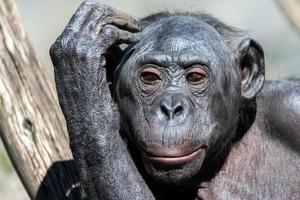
x=262 y=19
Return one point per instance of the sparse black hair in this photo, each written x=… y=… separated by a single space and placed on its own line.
x=230 y=33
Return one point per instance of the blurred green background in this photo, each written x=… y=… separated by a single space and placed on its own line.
x=263 y=19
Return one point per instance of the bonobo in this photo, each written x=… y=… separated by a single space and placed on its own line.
x=181 y=113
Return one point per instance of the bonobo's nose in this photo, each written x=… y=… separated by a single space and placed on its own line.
x=173 y=107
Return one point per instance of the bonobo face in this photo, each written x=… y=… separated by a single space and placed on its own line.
x=179 y=93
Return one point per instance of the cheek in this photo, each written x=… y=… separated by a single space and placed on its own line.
x=133 y=119
x=225 y=111
x=219 y=110
x=226 y=101
x=132 y=109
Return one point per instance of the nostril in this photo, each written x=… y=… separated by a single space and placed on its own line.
x=171 y=113
x=172 y=107
x=165 y=110
x=178 y=110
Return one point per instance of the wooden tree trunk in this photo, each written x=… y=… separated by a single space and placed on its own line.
x=32 y=126
x=291 y=8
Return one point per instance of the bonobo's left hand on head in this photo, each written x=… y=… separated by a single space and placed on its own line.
x=79 y=56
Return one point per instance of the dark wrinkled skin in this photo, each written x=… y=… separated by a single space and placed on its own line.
x=133 y=115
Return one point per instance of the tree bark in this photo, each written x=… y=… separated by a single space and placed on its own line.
x=32 y=126
x=291 y=8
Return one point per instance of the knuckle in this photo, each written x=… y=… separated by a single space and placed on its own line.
x=62 y=43
x=55 y=54
x=110 y=30
x=90 y=3
x=55 y=50
x=60 y=46
x=80 y=51
x=85 y=51
x=99 y=7
x=72 y=46
x=89 y=53
x=126 y=35
x=67 y=46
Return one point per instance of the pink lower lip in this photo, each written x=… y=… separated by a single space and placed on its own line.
x=176 y=160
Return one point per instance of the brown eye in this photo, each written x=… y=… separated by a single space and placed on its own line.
x=150 y=75
x=196 y=75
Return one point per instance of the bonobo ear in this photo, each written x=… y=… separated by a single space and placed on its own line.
x=252 y=67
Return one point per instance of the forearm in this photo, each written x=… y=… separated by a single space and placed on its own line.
x=119 y=177
x=106 y=168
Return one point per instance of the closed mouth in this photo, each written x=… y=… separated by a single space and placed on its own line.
x=176 y=160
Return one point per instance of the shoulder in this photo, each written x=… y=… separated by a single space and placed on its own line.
x=283 y=94
x=278 y=104
x=282 y=87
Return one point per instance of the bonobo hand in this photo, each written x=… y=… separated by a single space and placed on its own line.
x=80 y=61
x=78 y=58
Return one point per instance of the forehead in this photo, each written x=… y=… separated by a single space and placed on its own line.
x=180 y=33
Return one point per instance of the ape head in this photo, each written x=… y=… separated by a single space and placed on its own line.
x=180 y=89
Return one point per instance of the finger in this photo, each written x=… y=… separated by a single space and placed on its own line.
x=118 y=18
x=96 y=19
x=129 y=24
x=117 y=36
x=124 y=19
x=100 y=15
x=73 y=27
x=126 y=37
x=79 y=17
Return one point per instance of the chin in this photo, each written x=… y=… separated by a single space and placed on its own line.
x=174 y=171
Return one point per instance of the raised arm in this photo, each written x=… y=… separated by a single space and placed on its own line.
x=80 y=62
